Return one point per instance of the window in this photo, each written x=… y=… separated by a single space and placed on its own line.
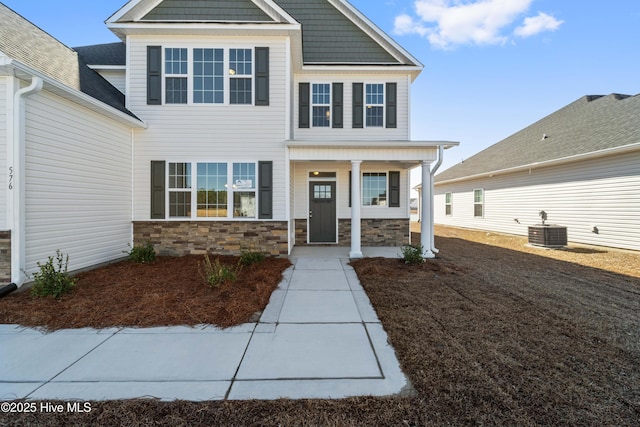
x=322 y=191
x=374 y=105
x=212 y=190
x=478 y=203
x=208 y=76
x=175 y=69
x=374 y=189
x=448 y=203
x=244 y=190
x=240 y=72
x=179 y=189
x=321 y=102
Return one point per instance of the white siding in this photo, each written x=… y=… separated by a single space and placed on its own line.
x=78 y=179
x=300 y=172
x=209 y=133
x=4 y=81
x=117 y=78
x=348 y=133
x=603 y=192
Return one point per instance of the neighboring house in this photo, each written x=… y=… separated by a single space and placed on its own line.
x=581 y=165
x=214 y=126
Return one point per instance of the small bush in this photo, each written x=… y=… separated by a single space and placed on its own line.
x=52 y=280
x=250 y=257
x=412 y=254
x=216 y=274
x=142 y=253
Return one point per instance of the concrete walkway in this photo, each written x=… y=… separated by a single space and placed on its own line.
x=319 y=337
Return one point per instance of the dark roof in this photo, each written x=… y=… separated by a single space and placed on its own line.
x=590 y=124
x=328 y=36
x=103 y=54
x=207 y=10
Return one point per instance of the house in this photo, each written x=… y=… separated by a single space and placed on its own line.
x=580 y=165
x=213 y=126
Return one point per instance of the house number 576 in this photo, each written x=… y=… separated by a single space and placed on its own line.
x=10 y=177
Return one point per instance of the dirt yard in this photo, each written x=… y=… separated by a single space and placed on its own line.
x=488 y=335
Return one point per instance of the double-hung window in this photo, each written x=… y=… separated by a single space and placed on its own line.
x=321 y=105
x=176 y=75
x=448 y=204
x=208 y=76
x=240 y=76
x=374 y=104
x=478 y=203
x=374 y=189
x=179 y=190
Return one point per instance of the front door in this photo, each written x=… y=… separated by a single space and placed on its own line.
x=322 y=212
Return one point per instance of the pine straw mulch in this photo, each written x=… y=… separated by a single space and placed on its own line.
x=169 y=291
x=486 y=335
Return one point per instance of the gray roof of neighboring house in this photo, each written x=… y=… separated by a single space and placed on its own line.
x=207 y=10
x=590 y=124
x=103 y=54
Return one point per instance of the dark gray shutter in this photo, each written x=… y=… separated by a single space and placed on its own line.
x=338 y=109
x=358 y=98
x=394 y=189
x=262 y=76
x=265 y=187
x=157 y=189
x=303 y=105
x=154 y=75
x=392 y=109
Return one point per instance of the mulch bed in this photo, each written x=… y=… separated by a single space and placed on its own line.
x=169 y=291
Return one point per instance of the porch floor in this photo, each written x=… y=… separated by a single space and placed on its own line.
x=339 y=252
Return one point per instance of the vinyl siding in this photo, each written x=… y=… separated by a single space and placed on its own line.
x=209 y=133
x=601 y=192
x=78 y=183
x=347 y=133
x=117 y=78
x=300 y=172
x=4 y=82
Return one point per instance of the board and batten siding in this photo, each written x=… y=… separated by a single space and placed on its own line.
x=4 y=107
x=78 y=183
x=347 y=132
x=209 y=133
x=603 y=192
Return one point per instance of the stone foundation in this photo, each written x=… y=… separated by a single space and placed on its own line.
x=177 y=238
x=5 y=257
x=374 y=232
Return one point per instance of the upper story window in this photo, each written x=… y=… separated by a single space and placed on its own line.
x=176 y=75
x=241 y=73
x=321 y=104
x=374 y=104
x=208 y=76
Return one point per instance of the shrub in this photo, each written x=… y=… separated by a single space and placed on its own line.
x=412 y=254
x=216 y=273
x=251 y=257
x=142 y=253
x=52 y=280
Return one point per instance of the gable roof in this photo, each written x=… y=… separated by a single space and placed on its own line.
x=207 y=10
x=103 y=54
x=592 y=124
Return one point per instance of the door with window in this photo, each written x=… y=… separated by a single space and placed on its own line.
x=322 y=212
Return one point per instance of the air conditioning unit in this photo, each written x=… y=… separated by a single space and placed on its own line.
x=548 y=236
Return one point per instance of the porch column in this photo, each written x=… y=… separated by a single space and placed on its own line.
x=356 y=250
x=426 y=227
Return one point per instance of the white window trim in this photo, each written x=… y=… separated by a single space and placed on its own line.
x=383 y=105
x=311 y=104
x=478 y=203
x=449 y=204
x=194 y=191
x=226 y=76
x=386 y=173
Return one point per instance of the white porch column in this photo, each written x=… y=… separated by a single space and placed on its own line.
x=426 y=226
x=356 y=249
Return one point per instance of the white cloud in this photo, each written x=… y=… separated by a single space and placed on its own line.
x=448 y=23
x=538 y=24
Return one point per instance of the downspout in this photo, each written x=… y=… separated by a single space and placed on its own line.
x=18 y=190
x=433 y=172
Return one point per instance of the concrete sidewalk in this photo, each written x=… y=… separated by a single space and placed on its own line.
x=319 y=337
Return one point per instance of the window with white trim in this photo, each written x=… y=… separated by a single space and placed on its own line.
x=321 y=105
x=179 y=190
x=244 y=190
x=240 y=76
x=176 y=75
x=212 y=190
x=208 y=76
x=478 y=203
x=448 y=204
x=374 y=104
x=374 y=189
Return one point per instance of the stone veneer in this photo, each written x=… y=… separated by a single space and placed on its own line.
x=178 y=238
x=374 y=232
x=5 y=256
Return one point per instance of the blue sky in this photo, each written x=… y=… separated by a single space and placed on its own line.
x=492 y=67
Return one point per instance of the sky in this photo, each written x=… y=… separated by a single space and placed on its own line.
x=491 y=67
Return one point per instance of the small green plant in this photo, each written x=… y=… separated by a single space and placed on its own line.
x=412 y=254
x=52 y=280
x=215 y=273
x=251 y=257
x=142 y=253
